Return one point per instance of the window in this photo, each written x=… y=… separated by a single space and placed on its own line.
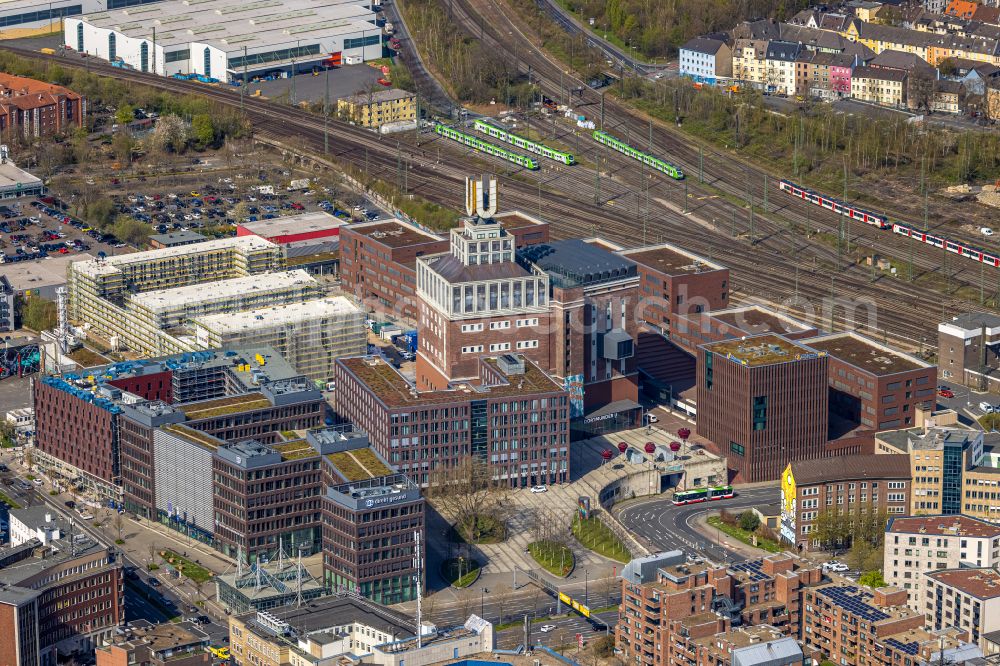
x=208 y=61
x=471 y=328
x=175 y=56
x=144 y=57
x=112 y=46
x=370 y=40
x=708 y=370
x=472 y=349
x=521 y=323
x=79 y=36
x=760 y=412
x=498 y=325
x=738 y=449
x=527 y=344
x=275 y=56
x=500 y=346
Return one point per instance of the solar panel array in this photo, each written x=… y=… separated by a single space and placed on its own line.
x=753 y=569
x=853 y=600
x=906 y=648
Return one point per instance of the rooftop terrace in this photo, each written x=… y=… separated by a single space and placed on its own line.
x=766 y=349
x=222 y=406
x=358 y=464
x=866 y=354
x=294 y=450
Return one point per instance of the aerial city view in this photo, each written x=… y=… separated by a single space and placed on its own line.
x=513 y=332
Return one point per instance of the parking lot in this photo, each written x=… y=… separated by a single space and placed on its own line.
x=33 y=229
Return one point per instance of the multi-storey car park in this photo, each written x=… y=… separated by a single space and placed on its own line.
x=225 y=40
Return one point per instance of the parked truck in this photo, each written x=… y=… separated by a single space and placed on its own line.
x=298 y=185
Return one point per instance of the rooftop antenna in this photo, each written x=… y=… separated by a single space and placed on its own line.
x=418 y=564
x=281 y=554
x=257 y=577
x=481 y=197
x=298 y=578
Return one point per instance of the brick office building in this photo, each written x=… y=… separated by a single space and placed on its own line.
x=515 y=419
x=475 y=301
x=377 y=264
x=36 y=108
x=673 y=281
x=693 y=329
x=874 y=385
x=56 y=600
x=848 y=484
x=968 y=352
x=763 y=401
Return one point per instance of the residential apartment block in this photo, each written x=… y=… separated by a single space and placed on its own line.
x=379 y=107
x=870 y=484
x=167 y=644
x=918 y=545
x=967 y=599
x=879 y=86
x=35 y=108
x=706 y=59
x=967 y=351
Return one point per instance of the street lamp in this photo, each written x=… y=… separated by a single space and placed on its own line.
x=482 y=603
x=586 y=587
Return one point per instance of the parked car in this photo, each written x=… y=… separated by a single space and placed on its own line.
x=539 y=489
x=546 y=628
x=986 y=407
x=946 y=393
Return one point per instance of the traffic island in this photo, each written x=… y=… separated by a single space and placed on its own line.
x=460 y=572
x=555 y=558
x=592 y=533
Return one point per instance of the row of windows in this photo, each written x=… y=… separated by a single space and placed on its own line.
x=275 y=56
x=370 y=40
x=44 y=15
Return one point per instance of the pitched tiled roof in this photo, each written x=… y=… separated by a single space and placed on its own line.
x=878 y=73
x=845 y=468
x=703 y=45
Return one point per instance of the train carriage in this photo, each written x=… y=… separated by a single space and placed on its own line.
x=523 y=143
x=834 y=205
x=486 y=147
x=649 y=160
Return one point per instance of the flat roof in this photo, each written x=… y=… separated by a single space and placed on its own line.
x=845 y=468
x=222 y=406
x=278 y=315
x=866 y=354
x=671 y=259
x=337 y=611
x=111 y=264
x=358 y=464
x=161 y=299
x=756 y=319
x=516 y=219
x=981 y=583
x=12 y=176
x=294 y=224
x=394 y=233
x=952 y=525
x=178 y=237
x=48 y=272
x=759 y=349
x=395 y=390
x=229 y=25
x=378 y=96
x=575 y=262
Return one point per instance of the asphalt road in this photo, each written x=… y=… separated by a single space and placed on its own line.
x=670 y=527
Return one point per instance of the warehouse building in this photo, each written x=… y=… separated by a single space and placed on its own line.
x=227 y=40
x=294 y=228
x=310 y=335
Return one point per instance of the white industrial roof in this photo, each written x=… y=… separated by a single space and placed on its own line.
x=110 y=264
x=229 y=25
x=11 y=176
x=279 y=315
x=294 y=224
x=164 y=299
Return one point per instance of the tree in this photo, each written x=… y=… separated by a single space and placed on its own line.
x=125 y=114
x=7 y=433
x=39 y=314
x=990 y=422
x=241 y=211
x=119 y=524
x=872 y=578
x=749 y=521
x=465 y=601
x=203 y=130
x=130 y=230
x=469 y=494
x=170 y=134
x=123 y=145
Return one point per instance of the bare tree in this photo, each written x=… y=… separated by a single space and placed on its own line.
x=119 y=524
x=470 y=496
x=465 y=601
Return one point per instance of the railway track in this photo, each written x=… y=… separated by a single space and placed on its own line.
x=762 y=271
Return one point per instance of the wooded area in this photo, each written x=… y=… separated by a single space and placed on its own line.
x=658 y=29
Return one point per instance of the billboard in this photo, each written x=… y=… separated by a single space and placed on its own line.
x=788 y=505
